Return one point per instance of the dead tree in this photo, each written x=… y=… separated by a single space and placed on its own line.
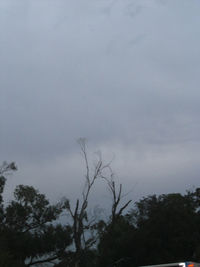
x=81 y=224
x=117 y=196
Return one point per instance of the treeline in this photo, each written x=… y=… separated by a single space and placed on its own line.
x=156 y=229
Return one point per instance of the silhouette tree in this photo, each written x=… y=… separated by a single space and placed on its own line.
x=28 y=235
x=82 y=226
x=167 y=228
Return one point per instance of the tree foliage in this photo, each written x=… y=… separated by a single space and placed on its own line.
x=167 y=228
x=156 y=229
x=28 y=235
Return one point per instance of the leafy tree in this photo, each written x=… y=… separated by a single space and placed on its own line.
x=167 y=228
x=28 y=232
x=158 y=229
x=114 y=245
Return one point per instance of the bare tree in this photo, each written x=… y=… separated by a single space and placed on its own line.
x=81 y=224
x=117 y=196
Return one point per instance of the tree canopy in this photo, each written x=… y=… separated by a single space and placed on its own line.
x=156 y=229
x=27 y=229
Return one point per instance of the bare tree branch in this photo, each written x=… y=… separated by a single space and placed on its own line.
x=50 y=259
x=117 y=196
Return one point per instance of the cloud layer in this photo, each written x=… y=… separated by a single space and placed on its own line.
x=123 y=74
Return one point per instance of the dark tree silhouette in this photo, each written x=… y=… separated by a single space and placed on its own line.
x=28 y=235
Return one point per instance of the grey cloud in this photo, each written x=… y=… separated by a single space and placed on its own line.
x=71 y=69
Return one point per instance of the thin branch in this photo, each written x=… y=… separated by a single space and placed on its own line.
x=76 y=209
x=124 y=207
x=42 y=261
x=70 y=211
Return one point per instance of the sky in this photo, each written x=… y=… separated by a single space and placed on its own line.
x=124 y=74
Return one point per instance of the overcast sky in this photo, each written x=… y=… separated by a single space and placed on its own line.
x=125 y=74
